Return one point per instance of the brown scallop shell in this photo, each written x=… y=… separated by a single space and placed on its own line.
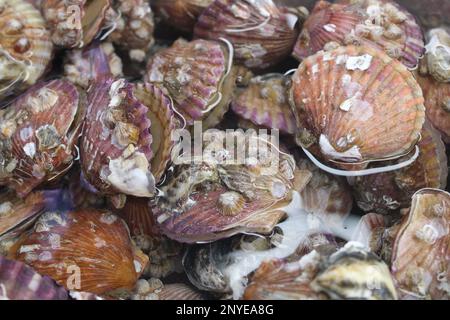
x=138 y=216
x=75 y=23
x=420 y=261
x=385 y=192
x=38 y=133
x=262 y=34
x=265 y=102
x=85 y=250
x=20 y=282
x=379 y=23
x=196 y=75
x=26 y=48
x=116 y=142
x=437 y=104
x=180 y=14
x=355 y=104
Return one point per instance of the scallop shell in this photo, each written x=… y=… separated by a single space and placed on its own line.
x=179 y=291
x=134 y=28
x=180 y=14
x=265 y=103
x=195 y=75
x=75 y=23
x=438 y=54
x=356 y=105
x=85 y=250
x=380 y=23
x=368 y=231
x=437 y=104
x=80 y=68
x=20 y=282
x=38 y=134
x=25 y=44
x=210 y=199
x=138 y=216
x=420 y=261
x=116 y=142
x=389 y=191
x=262 y=34
x=326 y=196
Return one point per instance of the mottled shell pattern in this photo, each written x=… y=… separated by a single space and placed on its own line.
x=380 y=23
x=197 y=75
x=25 y=46
x=265 y=102
x=75 y=23
x=388 y=191
x=39 y=132
x=86 y=250
x=262 y=34
x=421 y=249
x=355 y=104
x=437 y=55
x=20 y=282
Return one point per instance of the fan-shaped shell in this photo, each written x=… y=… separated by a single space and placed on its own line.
x=262 y=34
x=25 y=44
x=85 y=250
x=138 y=216
x=116 y=141
x=20 y=282
x=194 y=74
x=265 y=102
x=420 y=261
x=38 y=133
x=389 y=191
x=356 y=105
x=179 y=291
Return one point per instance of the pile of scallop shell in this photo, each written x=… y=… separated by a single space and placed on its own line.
x=97 y=198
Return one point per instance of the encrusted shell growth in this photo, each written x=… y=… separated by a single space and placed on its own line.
x=20 y=282
x=388 y=191
x=262 y=34
x=355 y=104
x=265 y=103
x=25 y=46
x=380 y=23
x=39 y=132
x=134 y=28
x=85 y=250
x=116 y=142
x=81 y=66
x=437 y=56
x=420 y=260
x=221 y=192
x=197 y=75
x=180 y=14
x=75 y=23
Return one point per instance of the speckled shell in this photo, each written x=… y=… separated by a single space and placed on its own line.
x=38 y=134
x=25 y=44
x=20 y=282
x=326 y=196
x=389 y=191
x=181 y=14
x=380 y=23
x=438 y=54
x=75 y=23
x=420 y=261
x=265 y=102
x=80 y=65
x=262 y=34
x=134 y=28
x=211 y=199
x=281 y=280
x=84 y=250
x=179 y=291
x=163 y=123
x=116 y=142
x=355 y=104
x=195 y=75
x=17 y=214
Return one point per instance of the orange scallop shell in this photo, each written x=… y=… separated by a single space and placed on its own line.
x=356 y=105
x=85 y=250
x=138 y=216
x=179 y=291
x=420 y=261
